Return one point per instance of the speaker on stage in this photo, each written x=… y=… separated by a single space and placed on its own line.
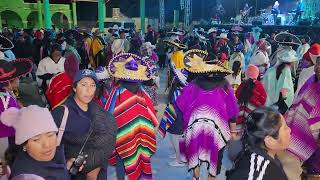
x=278 y=21
x=257 y=23
x=305 y=22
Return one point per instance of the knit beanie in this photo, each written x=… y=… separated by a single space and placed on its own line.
x=28 y=122
x=252 y=72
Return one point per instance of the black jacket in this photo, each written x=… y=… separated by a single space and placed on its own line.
x=257 y=164
x=101 y=142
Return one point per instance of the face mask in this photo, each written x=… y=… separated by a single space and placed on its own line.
x=64 y=45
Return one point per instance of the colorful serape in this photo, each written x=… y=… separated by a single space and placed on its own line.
x=304 y=120
x=136 y=137
x=59 y=89
x=169 y=115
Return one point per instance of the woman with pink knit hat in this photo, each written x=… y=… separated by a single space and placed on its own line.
x=250 y=94
x=40 y=156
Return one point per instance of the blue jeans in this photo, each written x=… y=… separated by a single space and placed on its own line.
x=120 y=169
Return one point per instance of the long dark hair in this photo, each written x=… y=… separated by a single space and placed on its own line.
x=280 y=68
x=246 y=92
x=260 y=123
x=236 y=67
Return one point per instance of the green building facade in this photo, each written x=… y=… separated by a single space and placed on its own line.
x=17 y=13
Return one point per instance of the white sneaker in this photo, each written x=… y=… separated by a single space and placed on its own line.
x=176 y=164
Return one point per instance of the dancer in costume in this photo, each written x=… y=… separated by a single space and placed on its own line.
x=176 y=56
x=177 y=53
x=135 y=116
x=278 y=81
x=172 y=118
x=260 y=57
x=209 y=111
x=250 y=94
x=306 y=65
x=223 y=48
x=151 y=59
x=303 y=119
x=304 y=47
x=9 y=82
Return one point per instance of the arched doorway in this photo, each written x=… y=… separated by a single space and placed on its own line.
x=33 y=20
x=11 y=19
x=60 y=20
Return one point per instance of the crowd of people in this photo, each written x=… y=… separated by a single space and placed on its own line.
x=250 y=97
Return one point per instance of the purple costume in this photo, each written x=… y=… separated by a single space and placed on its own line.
x=206 y=116
x=7 y=101
x=304 y=121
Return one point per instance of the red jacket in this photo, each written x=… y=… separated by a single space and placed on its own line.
x=257 y=99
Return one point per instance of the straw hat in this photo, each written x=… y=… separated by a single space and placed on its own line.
x=129 y=67
x=286 y=38
x=195 y=62
x=212 y=30
x=5 y=43
x=175 y=43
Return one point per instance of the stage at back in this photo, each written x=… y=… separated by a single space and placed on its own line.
x=273 y=16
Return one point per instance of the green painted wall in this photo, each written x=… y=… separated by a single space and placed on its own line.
x=16 y=13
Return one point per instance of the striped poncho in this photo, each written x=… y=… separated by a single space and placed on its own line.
x=136 y=137
x=170 y=114
x=304 y=120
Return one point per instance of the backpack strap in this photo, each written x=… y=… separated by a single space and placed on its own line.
x=63 y=124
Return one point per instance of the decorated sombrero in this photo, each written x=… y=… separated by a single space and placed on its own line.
x=195 y=62
x=5 y=43
x=288 y=39
x=129 y=67
x=14 y=69
x=175 y=43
